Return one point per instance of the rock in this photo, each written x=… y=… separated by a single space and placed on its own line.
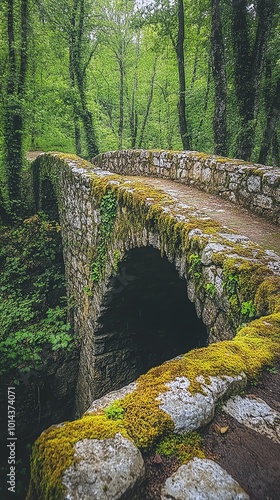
x=202 y=479
x=108 y=468
x=256 y=414
x=191 y=411
x=105 y=401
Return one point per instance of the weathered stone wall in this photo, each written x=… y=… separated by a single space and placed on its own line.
x=223 y=271
x=256 y=187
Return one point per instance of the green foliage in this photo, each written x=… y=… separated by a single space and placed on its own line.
x=195 y=265
x=32 y=292
x=116 y=259
x=210 y=289
x=230 y=282
x=248 y=309
x=272 y=370
x=108 y=212
x=182 y=446
x=115 y=411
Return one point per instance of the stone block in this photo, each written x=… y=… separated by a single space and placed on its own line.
x=108 y=468
x=202 y=479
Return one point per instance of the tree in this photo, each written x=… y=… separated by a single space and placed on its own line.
x=219 y=74
x=13 y=114
x=249 y=56
x=269 y=135
x=77 y=70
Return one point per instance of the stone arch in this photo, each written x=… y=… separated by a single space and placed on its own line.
x=145 y=319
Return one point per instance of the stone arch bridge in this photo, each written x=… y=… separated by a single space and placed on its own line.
x=130 y=241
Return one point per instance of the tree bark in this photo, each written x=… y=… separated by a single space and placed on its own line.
x=148 y=105
x=77 y=130
x=85 y=114
x=13 y=110
x=271 y=124
x=249 y=67
x=219 y=74
x=184 y=132
x=121 y=101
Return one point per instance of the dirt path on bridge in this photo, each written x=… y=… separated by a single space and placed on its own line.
x=228 y=214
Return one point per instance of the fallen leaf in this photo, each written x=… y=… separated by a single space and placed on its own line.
x=157 y=459
x=224 y=429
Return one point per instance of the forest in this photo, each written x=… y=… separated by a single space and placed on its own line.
x=85 y=77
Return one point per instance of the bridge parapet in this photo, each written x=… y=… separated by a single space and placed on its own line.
x=255 y=187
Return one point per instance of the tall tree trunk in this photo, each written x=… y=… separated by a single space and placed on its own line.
x=133 y=118
x=271 y=123
x=86 y=115
x=13 y=112
x=219 y=74
x=205 y=105
x=148 y=105
x=184 y=132
x=77 y=130
x=196 y=56
x=121 y=102
x=249 y=67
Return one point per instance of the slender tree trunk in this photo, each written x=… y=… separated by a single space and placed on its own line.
x=86 y=115
x=121 y=102
x=249 y=67
x=195 y=57
x=219 y=74
x=275 y=150
x=133 y=119
x=77 y=130
x=148 y=105
x=13 y=111
x=205 y=105
x=271 y=123
x=184 y=132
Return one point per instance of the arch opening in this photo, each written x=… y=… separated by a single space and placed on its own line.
x=146 y=318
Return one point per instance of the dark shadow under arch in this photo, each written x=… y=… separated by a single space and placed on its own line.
x=146 y=319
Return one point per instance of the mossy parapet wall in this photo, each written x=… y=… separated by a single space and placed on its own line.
x=230 y=280
x=254 y=186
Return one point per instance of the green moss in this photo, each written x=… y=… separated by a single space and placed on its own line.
x=184 y=447
x=267 y=298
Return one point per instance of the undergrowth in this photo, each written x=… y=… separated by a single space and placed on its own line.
x=32 y=294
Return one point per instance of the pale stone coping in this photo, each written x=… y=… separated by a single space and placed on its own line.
x=202 y=479
x=256 y=414
x=109 y=468
x=192 y=411
x=108 y=399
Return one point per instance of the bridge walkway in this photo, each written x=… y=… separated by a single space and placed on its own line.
x=230 y=215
